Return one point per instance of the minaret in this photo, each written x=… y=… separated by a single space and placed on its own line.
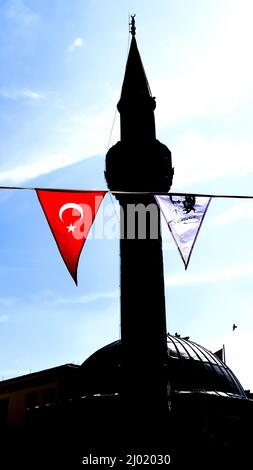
x=139 y=163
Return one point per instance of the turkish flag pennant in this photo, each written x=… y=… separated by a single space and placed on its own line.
x=70 y=215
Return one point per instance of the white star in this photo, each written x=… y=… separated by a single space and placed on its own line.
x=71 y=228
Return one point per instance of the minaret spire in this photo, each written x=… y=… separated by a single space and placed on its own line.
x=132 y=25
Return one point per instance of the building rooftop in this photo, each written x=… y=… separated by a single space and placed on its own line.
x=36 y=378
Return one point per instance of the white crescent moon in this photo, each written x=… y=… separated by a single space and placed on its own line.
x=71 y=205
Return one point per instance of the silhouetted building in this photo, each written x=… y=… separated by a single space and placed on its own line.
x=21 y=394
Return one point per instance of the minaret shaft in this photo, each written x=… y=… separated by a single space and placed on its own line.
x=143 y=324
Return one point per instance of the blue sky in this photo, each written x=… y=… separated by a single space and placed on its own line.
x=62 y=65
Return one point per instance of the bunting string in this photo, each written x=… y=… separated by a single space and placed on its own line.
x=141 y=193
x=70 y=214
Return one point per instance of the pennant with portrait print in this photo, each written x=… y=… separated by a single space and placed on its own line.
x=184 y=216
x=70 y=215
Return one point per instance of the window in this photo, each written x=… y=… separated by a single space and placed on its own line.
x=48 y=396
x=31 y=399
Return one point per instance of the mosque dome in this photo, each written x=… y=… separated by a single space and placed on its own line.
x=191 y=368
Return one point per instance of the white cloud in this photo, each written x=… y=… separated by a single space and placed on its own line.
x=31 y=94
x=241 y=211
x=87 y=298
x=234 y=272
x=32 y=169
x=22 y=15
x=20 y=94
x=4 y=318
x=76 y=44
x=7 y=301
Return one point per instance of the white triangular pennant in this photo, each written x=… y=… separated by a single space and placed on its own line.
x=184 y=216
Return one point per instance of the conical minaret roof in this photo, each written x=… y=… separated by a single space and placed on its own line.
x=135 y=82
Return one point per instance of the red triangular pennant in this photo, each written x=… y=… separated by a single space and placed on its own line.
x=70 y=215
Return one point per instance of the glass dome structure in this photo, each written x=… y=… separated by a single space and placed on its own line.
x=195 y=369
x=191 y=368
